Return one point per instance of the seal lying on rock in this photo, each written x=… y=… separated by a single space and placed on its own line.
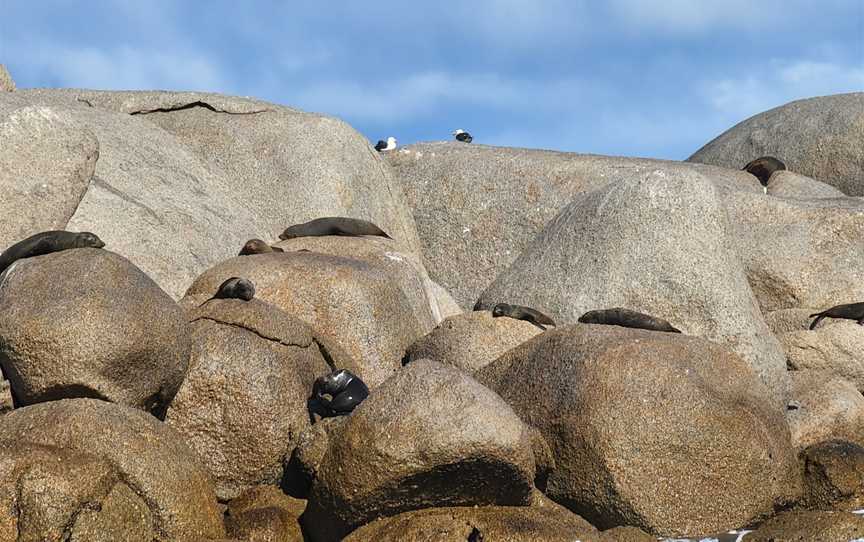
x=257 y=246
x=46 y=243
x=763 y=167
x=627 y=318
x=344 y=387
x=850 y=311
x=333 y=225
x=518 y=312
x=235 y=288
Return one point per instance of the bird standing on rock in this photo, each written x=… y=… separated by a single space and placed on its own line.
x=388 y=146
x=463 y=136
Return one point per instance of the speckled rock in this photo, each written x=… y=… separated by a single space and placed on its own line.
x=829 y=407
x=243 y=403
x=478 y=207
x=306 y=458
x=834 y=476
x=132 y=348
x=357 y=310
x=836 y=345
x=46 y=162
x=6 y=82
x=264 y=513
x=818 y=137
x=472 y=340
x=804 y=526
x=149 y=457
x=788 y=184
x=669 y=433
x=786 y=320
x=626 y=534
x=655 y=243
x=430 y=436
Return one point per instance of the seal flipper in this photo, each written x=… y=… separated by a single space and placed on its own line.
x=819 y=316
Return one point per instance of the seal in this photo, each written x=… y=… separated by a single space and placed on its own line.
x=849 y=311
x=518 y=312
x=333 y=225
x=257 y=246
x=234 y=288
x=46 y=243
x=627 y=318
x=763 y=167
x=345 y=389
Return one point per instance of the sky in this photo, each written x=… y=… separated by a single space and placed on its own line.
x=618 y=77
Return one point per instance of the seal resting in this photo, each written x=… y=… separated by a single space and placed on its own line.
x=235 y=288
x=518 y=312
x=627 y=318
x=46 y=243
x=763 y=167
x=345 y=389
x=257 y=246
x=849 y=311
x=333 y=225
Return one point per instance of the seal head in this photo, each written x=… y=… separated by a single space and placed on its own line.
x=235 y=288
x=345 y=389
x=257 y=246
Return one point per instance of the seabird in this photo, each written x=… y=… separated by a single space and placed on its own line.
x=463 y=136
x=388 y=146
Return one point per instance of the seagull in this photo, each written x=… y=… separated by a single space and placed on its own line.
x=389 y=146
x=463 y=136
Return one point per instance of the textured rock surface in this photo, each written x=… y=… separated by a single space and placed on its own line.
x=312 y=445
x=478 y=207
x=6 y=82
x=243 y=403
x=46 y=162
x=655 y=243
x=472 y=340
x=626 y=534
x=786 y=320
x=88 y=323
x=834 y=476
x=836 y=345
x=150 y=458
x=264 y=513
x=799 y=253
x=829 y=407
x=803 y=526
x=668 y=433
x=357 y=310
x=430 y=436
x=788 y=184
x=818 y=137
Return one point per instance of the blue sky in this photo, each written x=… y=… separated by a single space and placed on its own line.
x=622 y=77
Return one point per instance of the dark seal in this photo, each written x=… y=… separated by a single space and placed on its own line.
x=333 y=225
x=345 y=389
x=46 y=243
x=627 y=318
x=763 y=167
x=850 y=311
x=235 y=288
x=518 y=312
x=257 y=246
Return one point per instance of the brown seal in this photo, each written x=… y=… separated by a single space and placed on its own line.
x=234 y=288
x=763 y=167
x=46 y=243
x=849 y=311
x=333 y=225
x=345 y=389
x=627 y=318
x=518 y=312
x=257 y=246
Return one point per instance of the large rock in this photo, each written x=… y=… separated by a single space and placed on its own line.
x=788 y=184
x=88 y=323
x=171 y=166
x=478 y=207
x=666 y=432
x=357 y=310
x=472 y=340
x=804 y=526
x=837 y=346
x=655 y=243
x=6 y=82
x=829 y=407
x=264 y=513
x=151 y=460
x=834 y=476
x=243 y=403
x=430 y=436
x=818 y=137
x=799 y=253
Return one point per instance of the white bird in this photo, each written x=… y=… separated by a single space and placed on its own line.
x=463 y=136
x=388 y=146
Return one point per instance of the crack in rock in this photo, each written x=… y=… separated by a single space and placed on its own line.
x=198 y=103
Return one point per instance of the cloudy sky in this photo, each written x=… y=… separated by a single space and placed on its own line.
x=656 y=78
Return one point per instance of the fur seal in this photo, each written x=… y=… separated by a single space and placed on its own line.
x=627 y=318
x=518 y=312
x=46 y=243
x=763 y=167
x=345 y=389
x=333 y=225
x=235 y=288
x=257 y=246
x=850 y=311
